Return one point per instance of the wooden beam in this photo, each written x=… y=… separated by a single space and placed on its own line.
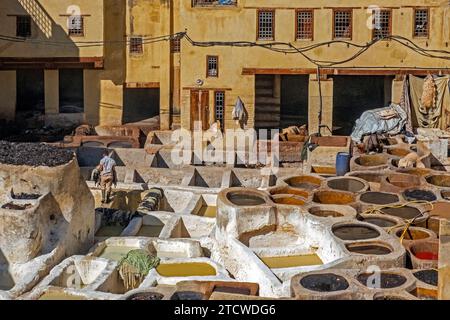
x=11 y=63
x=344 y=71
x=139 y=85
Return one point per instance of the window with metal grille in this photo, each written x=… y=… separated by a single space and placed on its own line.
x=212 y=65
x=381 y=24
x=266 y=23
x=136 y=45
x=219 y=106
x=23 y=26
x=175 y=45
x=305 y=24
x=343 y=24
x=76 y=26
x=421 y=23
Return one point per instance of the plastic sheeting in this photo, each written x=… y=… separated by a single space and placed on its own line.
x=390 y=120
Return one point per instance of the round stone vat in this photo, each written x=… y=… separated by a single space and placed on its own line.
x=428 y=276
x=379 y=198
x=351 y=232
x=331 y=211
x=414 y=194
x=146 y=296
x=380 y=220
x=93 y=144
x=398 y=152
x=324 y=282
x=439 y=180
x=289 y=199
x=382 y=280
x=406 y=213
x=445 y=195
x=334 y=197
x=369 y=162
x=421 y=172
x=244 y=199
x=393 y=296
x=289 y=190
x=350 y=184
x=424 y=253
x=414 y=233
x=307 y=182
x=398 y=182
x=373 y=178
x=369 y=248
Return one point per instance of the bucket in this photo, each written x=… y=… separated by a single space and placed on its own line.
x=342 y=163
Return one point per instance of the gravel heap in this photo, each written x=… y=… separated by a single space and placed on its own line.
x=33 y=154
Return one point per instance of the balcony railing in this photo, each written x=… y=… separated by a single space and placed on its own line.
x=214 y=3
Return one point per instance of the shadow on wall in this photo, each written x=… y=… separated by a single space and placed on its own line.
x=6 y=281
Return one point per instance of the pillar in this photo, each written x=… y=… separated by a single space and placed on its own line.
x=51 y=81
x=91 y=96
x=8 y=92
x=444 y=260
x=277 y=86
x=314 y=104
x=165 y=66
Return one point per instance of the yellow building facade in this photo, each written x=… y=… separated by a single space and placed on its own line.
x=264 y=52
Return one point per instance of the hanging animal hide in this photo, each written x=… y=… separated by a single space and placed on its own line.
x=428 y=99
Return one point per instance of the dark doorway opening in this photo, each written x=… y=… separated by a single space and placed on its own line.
x=30 y=92
x=140 y=104
x=71 y=91
x=294 y=100
x=353 y=95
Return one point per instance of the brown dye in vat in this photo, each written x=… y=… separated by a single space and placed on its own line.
x=207 y=211
x=281 y=262
x=398 y=152
x=233 y=290
x=292 y=201
x=355 y=232
x=368 y=249
x=333 y=197
x=371 y=160
x=413 y=234
x=439 y=180
x=304 y=182
x=403 y=212
x=383 y=223
x=109 y=231
x=346 y=184
x=152 y=231
x=441 y=210
x=116 y=252
x=60 y=296
x=379 y=198
x=242 y=199
x=190 y=269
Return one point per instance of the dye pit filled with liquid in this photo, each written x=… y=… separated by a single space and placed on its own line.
x=152 y=231
x=60 y=296
x=116 y=252
x=207 y=211
x=109 y=231
x=189 y=269
x=281 y=262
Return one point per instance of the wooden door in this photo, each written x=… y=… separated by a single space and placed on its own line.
x=200 y=108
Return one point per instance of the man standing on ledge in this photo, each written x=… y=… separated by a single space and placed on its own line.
x=108 y=177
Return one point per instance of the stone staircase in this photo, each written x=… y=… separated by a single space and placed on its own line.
x=267 y=105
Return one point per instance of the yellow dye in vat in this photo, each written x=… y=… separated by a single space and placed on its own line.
x=109 y=231
x=193 y=269
x=292 y=261
x=60 y=296
x=150 y=231
x=115 y=252
x=208 y=211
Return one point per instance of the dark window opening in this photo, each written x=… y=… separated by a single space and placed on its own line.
x=30 y=91
x=353 y=95
x=294 y=100
x=421 y=23
x=212 y=64
x=382 y=24
x=140 y=104
x=136 y=46
x=305 y=25
x=219 y=106
x=175 y=45
x=343 y=24
x=23 y=26
x=76 y=26
x=266 y=24
x=71 y=90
